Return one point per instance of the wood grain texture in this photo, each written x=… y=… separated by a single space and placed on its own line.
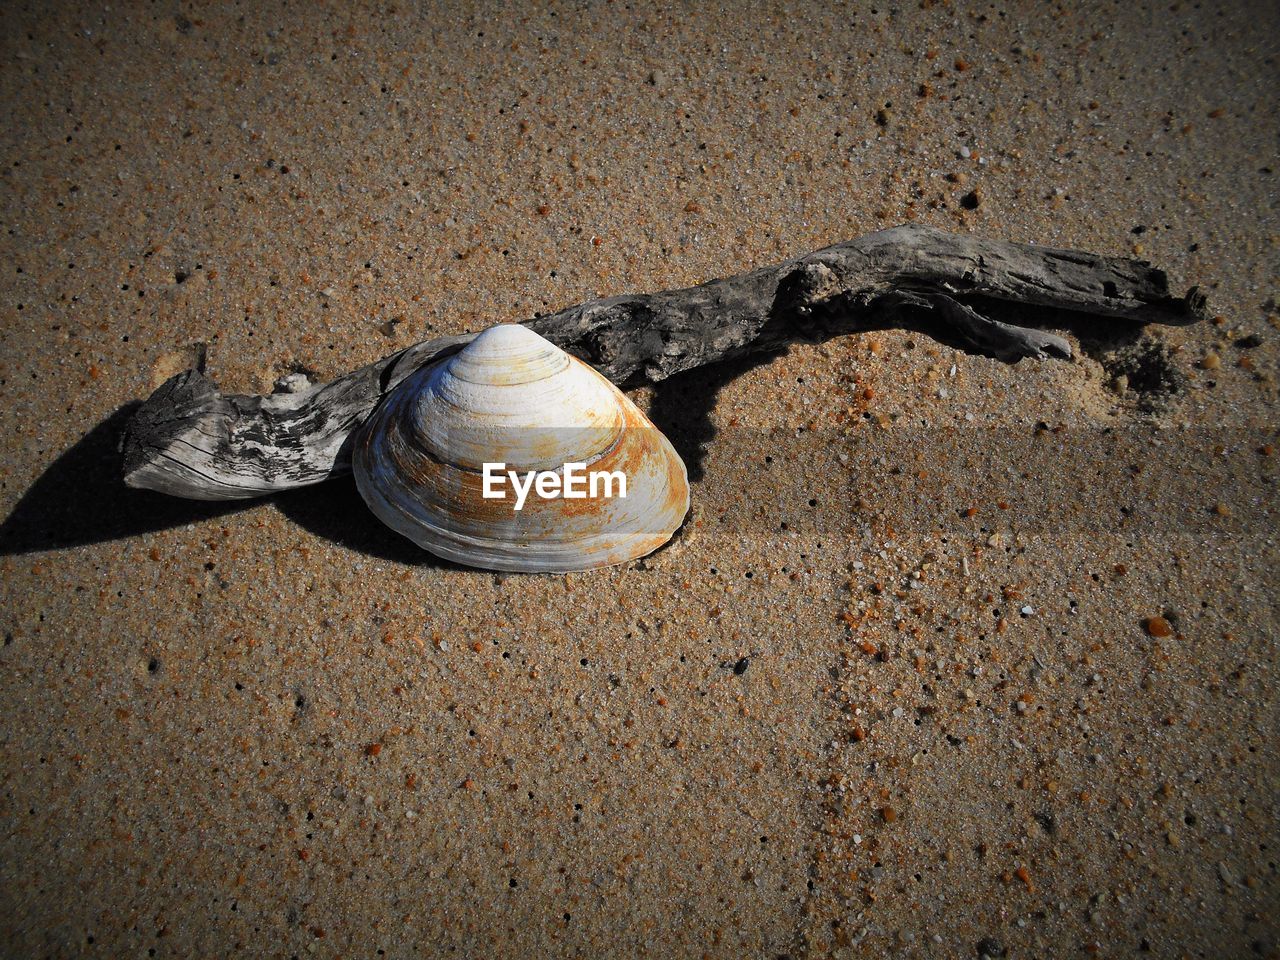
x=190 y=440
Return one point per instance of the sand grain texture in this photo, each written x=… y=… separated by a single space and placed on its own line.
x=895 y=693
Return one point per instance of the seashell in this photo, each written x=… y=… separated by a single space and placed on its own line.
x=511 y=397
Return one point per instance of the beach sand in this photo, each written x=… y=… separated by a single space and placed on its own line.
x=897 y=692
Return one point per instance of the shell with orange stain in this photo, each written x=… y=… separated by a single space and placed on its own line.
x=513 y=398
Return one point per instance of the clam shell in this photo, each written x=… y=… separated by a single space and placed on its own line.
x=512 y=397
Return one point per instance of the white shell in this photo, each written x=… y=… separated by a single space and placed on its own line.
x=512 y=397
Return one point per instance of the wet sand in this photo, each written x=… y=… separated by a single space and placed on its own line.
x=900 y=691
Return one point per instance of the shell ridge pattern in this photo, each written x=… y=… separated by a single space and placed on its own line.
x=418 y=461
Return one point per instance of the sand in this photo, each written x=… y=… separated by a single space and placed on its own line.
x=898 y=692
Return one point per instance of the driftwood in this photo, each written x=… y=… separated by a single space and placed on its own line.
x=190 y=440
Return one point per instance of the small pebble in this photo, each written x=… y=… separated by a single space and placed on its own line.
x=292 y=383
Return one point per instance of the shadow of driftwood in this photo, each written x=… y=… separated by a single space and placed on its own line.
x=335 y=511
x=682 y=405
x=80 y=499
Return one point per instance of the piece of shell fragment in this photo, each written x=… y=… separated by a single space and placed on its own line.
x=513 y=455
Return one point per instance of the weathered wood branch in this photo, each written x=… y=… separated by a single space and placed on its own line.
x=190 y=440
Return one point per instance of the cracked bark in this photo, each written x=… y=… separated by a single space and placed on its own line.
x=190 y=440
